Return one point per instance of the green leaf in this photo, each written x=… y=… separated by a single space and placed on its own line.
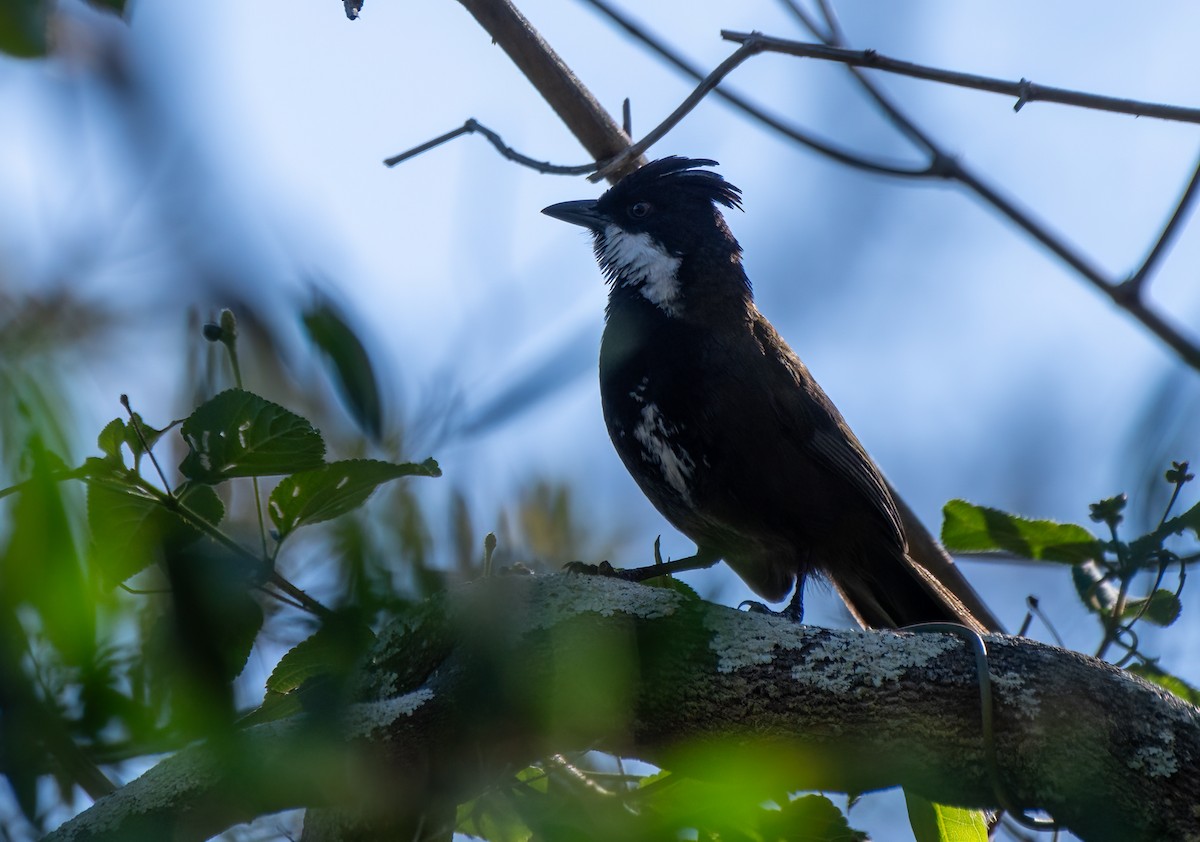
x=239 y=434
x=151 y=436
x=939 y=823
x=129 y=527
x=334 y=648
x=41 y=564
x=1160 y=608
x=115 y=6
x=334 y=489
x=1188 y=520
x=809 y=817
x=111 y=438
x=1168 y=682
x=970 y=528
x=351 y=365
x=23 y=27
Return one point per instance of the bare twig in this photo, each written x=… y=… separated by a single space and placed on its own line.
x=472 y=126
x=1126 y=295
x=789 y=131
x=1133 y=286
x=621 y=162
x=1024 y=90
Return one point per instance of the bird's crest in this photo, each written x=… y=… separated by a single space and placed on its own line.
x=684 y=174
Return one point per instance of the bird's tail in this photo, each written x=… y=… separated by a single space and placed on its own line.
x=922 y=586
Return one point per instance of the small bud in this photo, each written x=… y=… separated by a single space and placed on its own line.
x=212 y=332
x=228 y=324
x=1109 y=511
x=1178 y=473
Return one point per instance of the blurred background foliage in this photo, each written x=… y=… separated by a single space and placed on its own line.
x=123 y=231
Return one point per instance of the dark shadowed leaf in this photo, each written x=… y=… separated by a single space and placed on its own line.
x=337 y=488
x=23 y=27
x=335 y=648
x=351 y=365
x=111 y=438
x=239 y=434
x=117 y=6
x=129 y=527
x=970 y=528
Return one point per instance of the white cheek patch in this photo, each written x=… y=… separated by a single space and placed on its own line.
x=638 y=260
x=653 y=433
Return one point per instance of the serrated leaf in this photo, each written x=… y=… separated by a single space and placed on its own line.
x=151 y=436
x=813 y=818
x=111 y=438
x=1161 y=608
x=333 y=648
x=129 y=527
x=1188 y=520
x=239 y=434
x=940 y=823
x=1167 y=681
x=334 y=489
x=970 y=528
x=355 y=375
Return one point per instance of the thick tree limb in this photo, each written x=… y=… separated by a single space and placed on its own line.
x=509 y=670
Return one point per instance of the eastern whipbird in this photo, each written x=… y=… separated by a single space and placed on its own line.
x=723 y=427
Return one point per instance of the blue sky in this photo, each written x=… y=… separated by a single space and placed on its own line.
x=970 y=362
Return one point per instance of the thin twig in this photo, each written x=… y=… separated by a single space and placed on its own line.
x=1024 y=90
x=1125 y=295
x=1133 y=286
x=621 y=161
x=789 y=131
x=472 y=126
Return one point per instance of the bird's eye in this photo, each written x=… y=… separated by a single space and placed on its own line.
x=640 y=210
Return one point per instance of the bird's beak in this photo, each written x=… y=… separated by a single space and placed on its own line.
x=582 y=212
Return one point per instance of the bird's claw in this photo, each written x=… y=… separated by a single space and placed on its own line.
x=582 y=567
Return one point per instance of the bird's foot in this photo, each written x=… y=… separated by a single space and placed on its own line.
x=585 y=569
x=794 y=612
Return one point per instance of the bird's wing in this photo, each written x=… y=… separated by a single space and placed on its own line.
x=831 y=441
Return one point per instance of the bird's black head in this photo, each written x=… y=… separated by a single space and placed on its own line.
x=659 y=227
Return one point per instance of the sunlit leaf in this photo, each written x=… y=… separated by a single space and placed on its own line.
x=970 y=528
x=940 y=823
x=41 y=566
x=355 y=375
x=334 y=489
x=129 y=527
x=239 y=434
x=1167 y=681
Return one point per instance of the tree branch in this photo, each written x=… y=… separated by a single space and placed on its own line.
x=1024 y=90
x=489 y=680
x=600 y=135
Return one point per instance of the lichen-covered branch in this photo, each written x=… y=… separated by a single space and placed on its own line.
x=511 y=669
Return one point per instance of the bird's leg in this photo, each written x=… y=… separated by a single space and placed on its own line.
x=793 y=612
x=700 y=561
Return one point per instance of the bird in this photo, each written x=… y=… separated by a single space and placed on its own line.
x=726 y=431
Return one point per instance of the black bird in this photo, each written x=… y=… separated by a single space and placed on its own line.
x=723 y=427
